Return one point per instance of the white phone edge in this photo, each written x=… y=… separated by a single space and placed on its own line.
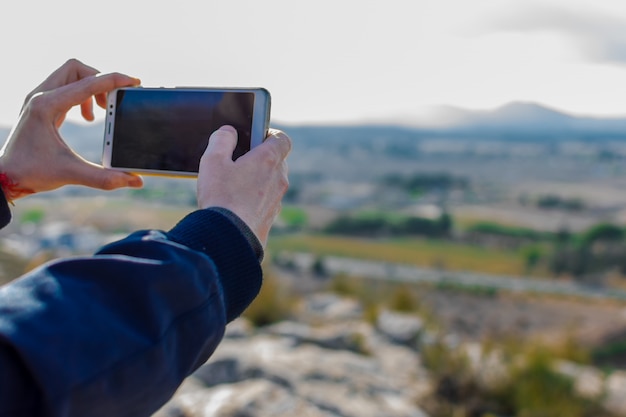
x=260 y=124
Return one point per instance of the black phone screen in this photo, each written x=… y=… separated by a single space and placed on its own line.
x=168 y=129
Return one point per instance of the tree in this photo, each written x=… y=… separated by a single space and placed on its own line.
x=605 y=232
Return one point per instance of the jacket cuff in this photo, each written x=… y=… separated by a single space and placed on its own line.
x=5 y=211
x=212 y=232
x=244 y=229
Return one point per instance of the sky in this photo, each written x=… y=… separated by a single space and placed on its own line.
x=335 y=61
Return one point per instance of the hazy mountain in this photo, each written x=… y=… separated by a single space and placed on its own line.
x=4 y=133
x=514 y=121
x=85 y=139
x=532 y=117
x=517 y=121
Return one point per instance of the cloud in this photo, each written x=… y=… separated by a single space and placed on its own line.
x=599 y=36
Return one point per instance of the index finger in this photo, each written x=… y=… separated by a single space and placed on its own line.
x=79 y=92
x=72 y=70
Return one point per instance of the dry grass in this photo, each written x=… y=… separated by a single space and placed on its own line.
x=418 y=252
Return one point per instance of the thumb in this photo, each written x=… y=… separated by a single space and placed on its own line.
x=96 y=176
x=222 y=142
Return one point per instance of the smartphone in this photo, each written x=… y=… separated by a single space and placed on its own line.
x=165 y=131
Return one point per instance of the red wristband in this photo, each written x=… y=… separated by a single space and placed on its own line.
x=11 y=189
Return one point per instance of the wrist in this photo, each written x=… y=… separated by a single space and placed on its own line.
x=243 y=227
x=11 y=188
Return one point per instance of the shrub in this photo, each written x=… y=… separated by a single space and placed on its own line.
x=318 y=268
x=381 y=224
x=536 y=389
x=551 y=201
x=403 y=300
x=529 y=387
x=343 y=285
x=603 y=232
x=532 y=255
x=273 y=304
x=496 y=229
x=454 y=385
x=35 y=216
x=294 y=217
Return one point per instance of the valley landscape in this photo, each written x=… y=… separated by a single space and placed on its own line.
x=452 y=211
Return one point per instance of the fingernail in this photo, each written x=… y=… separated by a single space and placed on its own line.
x=281 y=136
x=228 y=128
x=134 y=181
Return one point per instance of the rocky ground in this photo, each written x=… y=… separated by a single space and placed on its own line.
x=474 y=317
x=333 y=365
x=328 y=362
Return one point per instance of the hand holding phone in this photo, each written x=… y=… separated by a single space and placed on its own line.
x=164 y=131
x=252 y=186
x=35 y=157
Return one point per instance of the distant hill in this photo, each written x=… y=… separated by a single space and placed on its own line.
x=4 y=133
x=85 y=139
x=531 y=117
x=517 y=121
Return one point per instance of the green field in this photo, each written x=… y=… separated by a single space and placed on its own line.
x=410 y=251
x=122 y=215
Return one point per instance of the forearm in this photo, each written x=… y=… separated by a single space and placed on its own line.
x=115 y=334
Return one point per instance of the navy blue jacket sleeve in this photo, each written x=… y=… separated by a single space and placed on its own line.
x=117 y=332
x=5 y=212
